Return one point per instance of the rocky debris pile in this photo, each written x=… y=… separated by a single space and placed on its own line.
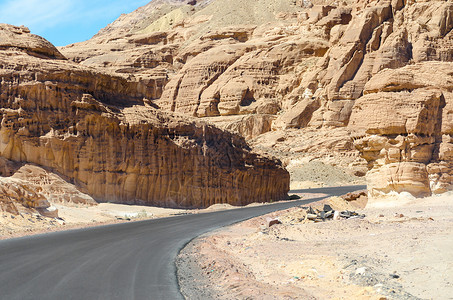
x=328 y=213
x=305 y=214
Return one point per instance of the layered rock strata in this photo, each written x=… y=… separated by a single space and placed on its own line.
x=306 y=65
x=97 y=131
x=407 y=139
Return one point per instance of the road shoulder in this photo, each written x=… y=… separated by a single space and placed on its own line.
x=392 y=253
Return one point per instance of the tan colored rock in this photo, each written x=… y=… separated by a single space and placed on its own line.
x=379 y=36
x=412 y=77
x=16 y=195
x=239 y=33
x=96 y=131
x=440 y=176
x=53 y=187
x=14 y=37
x=248 y=126
x=184 y=95
x=394 y=113
x=380 y=68
x=402 y=126
x=298 y=116
x=257 y=80
x=400 y=177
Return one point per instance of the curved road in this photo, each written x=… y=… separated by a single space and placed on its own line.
x=122 y=261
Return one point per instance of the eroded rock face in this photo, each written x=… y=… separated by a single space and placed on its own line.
x=403 y=126
x=15 y=37
x=97 y=131
x=30 y=188
x=15 y=194
x=377 y=68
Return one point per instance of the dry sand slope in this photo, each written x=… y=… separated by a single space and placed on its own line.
x=398 y=252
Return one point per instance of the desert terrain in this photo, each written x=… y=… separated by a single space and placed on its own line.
x=400 y=251
x=187 y=106
x=176 y=105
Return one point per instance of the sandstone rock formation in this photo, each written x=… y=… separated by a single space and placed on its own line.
x=300 y=79
x=238 y=72
x=407 y=140
x=99 y=132
x=378 y=68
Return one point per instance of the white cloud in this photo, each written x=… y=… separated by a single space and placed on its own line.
x=37 y=14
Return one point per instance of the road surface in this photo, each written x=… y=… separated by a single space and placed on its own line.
x=122 y=261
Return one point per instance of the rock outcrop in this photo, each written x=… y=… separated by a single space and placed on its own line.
x=99 y=132
x=366 y=67
x=403 y=125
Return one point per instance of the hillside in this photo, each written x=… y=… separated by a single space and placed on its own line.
x=74 y=135
x=358 y=86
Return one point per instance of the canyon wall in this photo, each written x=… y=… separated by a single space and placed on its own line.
x=403 y=126
x=379 y=69
x=365 y=84
x=102 y=134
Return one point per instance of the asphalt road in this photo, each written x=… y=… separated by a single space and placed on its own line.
x=122 y=261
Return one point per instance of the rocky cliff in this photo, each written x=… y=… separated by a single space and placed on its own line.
x=407 y=139
x=100 y=133
x=342 y=78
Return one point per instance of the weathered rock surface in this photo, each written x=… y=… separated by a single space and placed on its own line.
x=98 y=132
x=403 y=125
x=14 y=37
x=237 y=72
x=376 y=68
x=27 y=188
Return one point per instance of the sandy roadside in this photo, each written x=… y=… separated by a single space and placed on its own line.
x=81 y=216
x=399 y=252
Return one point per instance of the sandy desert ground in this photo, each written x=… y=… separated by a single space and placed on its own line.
x=78 y=216
x=401 y=251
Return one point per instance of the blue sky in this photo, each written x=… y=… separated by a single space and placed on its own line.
x=64 y=22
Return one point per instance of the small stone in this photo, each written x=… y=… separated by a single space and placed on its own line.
x=328 y=214
x=312 y=216
x=327 y=208
x=336 y=215
x=345 y=214
x=381 y=216
x=271 y=222
x=360 y=271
